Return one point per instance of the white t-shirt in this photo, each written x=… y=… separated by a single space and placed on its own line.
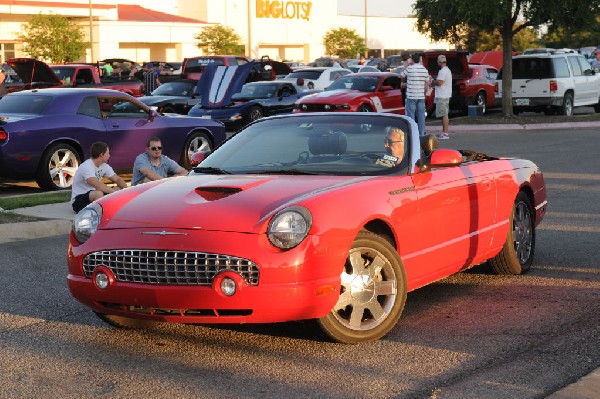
x=445 y=90
x=416 y=77
x=85 y=171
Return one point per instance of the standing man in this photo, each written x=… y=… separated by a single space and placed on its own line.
x=3 y=90
x=417 y=83
x=153 y=165
x=87 y=181
x=443 y=92
x=151 y=81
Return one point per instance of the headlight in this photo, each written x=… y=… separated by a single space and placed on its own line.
x=236 y=117
x=341 y=106
x=86 y=222
x=289 y=227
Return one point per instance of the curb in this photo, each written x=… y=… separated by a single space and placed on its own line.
x=532 y=126
x=587 y=387
x=11 y=232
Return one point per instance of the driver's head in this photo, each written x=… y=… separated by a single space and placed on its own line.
x=394 y=142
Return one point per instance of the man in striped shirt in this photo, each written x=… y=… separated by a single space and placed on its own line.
x=417 y=83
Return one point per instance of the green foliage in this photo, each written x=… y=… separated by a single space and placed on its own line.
x=344 y=43
x=492 y=41
x=219 y=40
x=583 y=36
x=24 y=201
x=53 y=38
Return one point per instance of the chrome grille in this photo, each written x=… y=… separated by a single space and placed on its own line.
x=169 y=267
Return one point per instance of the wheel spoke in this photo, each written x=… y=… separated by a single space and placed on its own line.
x=385 y=288
x=356 y=316
x=375 y=309
x=357 y=263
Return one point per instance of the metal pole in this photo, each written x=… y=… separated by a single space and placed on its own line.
x=366 y=42
x=91 y=34
x=249 y=52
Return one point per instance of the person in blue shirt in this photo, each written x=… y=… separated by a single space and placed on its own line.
x=153 y=165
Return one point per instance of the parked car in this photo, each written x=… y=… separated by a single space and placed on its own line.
x=329 y=62
x=12 y=81
x=266 y=68
x=46 y=134
x=316 y=78
x=87 y=75
x=302 y=217
x=468 y=83
x=254 y=101
x=552 y=83
x=359 y=92
x=362 y=68
x=33 y=74
x=178 y=96
x=123 y=63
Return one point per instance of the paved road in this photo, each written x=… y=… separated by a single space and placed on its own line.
x=473 y=335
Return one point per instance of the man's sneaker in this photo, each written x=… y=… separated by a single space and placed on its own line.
x=442 y=136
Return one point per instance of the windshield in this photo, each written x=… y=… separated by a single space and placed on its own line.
x=175 y=89
x=252 y=90
x=312 y=144
x=24 y=104
x=64 y=73
x=360 y=83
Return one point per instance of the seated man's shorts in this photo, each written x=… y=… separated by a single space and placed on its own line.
x=81 y=201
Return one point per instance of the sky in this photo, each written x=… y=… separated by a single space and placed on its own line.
x=376 y=8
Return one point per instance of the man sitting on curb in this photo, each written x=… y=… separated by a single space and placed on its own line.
x=87 y=181
x=153 y=165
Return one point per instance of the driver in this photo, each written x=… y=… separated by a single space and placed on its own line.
x=394 y=147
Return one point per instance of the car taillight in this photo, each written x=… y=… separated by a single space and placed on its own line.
x=553 y=85
x=3 y=136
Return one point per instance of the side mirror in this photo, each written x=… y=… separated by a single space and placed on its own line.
x=197 y=157
x=444 y=157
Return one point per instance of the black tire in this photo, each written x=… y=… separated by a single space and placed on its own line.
x=57 y=167
x=374 y=261
x=517 y=253
x=567 y=106
x=597 y=106
x=255 y=114
x=481 y=101
x=168 y=109
x=195 y=142
x=127 y=322
x=364 y=108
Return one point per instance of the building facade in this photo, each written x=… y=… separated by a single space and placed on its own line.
x=144 y=30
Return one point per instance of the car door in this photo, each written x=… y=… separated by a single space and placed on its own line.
x=390 y=98
x=457 y=208
x=128 y=127
x=580 y=82
x=286 y=97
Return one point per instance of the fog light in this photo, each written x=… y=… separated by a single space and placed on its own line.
x=101 y=280
x=228 y=286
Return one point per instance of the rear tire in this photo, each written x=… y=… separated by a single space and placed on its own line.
x=57 y=167
x=517 y=253
x=195 y=142
x=567 y=106
x=481 y=101
x=372 y=294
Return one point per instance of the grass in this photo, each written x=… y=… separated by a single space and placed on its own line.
x=25 y=201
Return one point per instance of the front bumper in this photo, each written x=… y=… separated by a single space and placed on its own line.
x=298 y=284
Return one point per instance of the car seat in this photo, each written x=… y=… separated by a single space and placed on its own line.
x=334 y=143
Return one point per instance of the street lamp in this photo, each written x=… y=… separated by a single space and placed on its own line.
x=366 y=42
x=91 y=34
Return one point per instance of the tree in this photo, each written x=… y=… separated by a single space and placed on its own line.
x=53 y=38
x=220 y=40
x=445 y=19
x=344 y=43
x=560 y=36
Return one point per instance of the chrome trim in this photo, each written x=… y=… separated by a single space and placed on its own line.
x=164 y=233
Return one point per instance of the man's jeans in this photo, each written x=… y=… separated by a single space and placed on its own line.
x=415 y=109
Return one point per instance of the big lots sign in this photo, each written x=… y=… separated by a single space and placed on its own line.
x=283 y=9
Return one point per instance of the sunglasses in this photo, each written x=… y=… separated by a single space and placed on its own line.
x=390 y=142
x=156 y=148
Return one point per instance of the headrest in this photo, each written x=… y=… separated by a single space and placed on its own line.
x=428 y=143
x=330 y=143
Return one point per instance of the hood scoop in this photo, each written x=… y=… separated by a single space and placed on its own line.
x=216 y=193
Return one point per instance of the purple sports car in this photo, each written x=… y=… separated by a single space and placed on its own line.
x=45 y=134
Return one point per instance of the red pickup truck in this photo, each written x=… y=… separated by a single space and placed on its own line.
x=36 y=74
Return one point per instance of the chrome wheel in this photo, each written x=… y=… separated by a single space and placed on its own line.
x=480 y=101
x=57 y=167
x=196 y=142
x=364 y=108
x=255 y=114
x=523 y=232
x=372 y=292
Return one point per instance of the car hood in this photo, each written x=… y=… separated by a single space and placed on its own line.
x=241 y=203
x=158 y=100
x=31 y=70
x=219 y=83
x=332 y=96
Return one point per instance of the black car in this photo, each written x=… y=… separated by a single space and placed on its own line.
x=177 y=96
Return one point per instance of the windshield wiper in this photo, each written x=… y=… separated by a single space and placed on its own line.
x=210 y=170
x=281 y=172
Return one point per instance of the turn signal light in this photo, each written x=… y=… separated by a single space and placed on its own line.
x=553 y=85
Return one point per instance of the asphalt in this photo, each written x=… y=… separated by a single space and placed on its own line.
x=59 y=217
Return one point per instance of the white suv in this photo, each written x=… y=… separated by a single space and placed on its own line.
x=552 y=82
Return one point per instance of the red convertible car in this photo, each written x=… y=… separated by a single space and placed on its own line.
x=305 y=216
x=357 y=92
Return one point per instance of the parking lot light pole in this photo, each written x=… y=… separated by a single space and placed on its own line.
x=91 y=34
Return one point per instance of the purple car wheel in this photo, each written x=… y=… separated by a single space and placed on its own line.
x=57 y=167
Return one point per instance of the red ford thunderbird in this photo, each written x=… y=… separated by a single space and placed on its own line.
x=329 y=217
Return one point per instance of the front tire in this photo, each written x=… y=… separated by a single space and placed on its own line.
x=255 y=114
x=372 y=295
x=481 y=101
x=195 y=142
x=364 y=108
x=126 y=322
x=57 y=167
x=517 y=253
